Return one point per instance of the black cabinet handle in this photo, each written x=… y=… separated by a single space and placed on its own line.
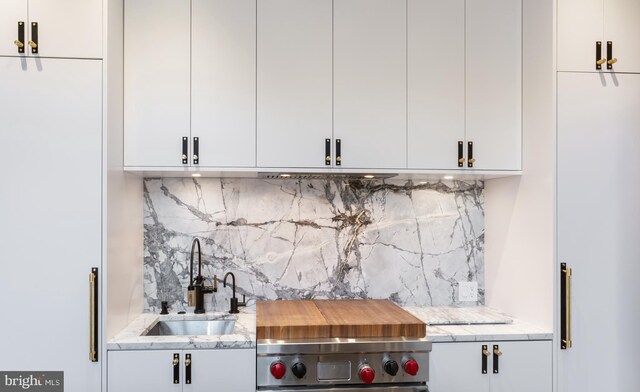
x=187 y=368
x=599 y=59
x=327 y=152
x=196 y=150
x=610 y=59
x=496 y=358
x=470 y=159
x=460 y=153
x=485 y=355
x=338 y=152
x=185 y=150
x=20 y=41
x=33 y=42
x=176 y=368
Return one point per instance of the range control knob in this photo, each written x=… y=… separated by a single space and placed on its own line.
x=391 y=367
x=278 y=370
x=367 y=374
x=299 y=369
x=411 y=366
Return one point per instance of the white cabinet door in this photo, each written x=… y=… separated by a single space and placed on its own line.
x=150 y=370
x=494 y=83
x=370 y=82
x=294 y=82
x=457 y=367
x=523 y=367
x=222 y=370
x=435 y=83
x=622 y=28
x=67 y=28
x=12 y=12
x=580 y=25
x=223 y=81
x=598 y=218
x=50 y=204
x=156 y=81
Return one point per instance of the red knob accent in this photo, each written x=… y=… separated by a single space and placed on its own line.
x=367 y=374
x=278 y=370
x=411 y=367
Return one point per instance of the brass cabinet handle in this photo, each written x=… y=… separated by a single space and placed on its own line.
x=601 y=61
x=612 y=61
x=93 y=315
x=472 y=160
x=19 y=44
x=486 y=352
x=565 y=307
x=497 y=351
x=33 y=44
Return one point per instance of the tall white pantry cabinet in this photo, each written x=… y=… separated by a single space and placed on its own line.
x=51 y=194
x=598 y=194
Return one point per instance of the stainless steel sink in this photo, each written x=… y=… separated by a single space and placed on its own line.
x=192 y=327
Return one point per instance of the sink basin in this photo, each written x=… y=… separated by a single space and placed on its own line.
x=192 y=327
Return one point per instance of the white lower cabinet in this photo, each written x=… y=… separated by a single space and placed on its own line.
x=523 y=366
x=182 y=370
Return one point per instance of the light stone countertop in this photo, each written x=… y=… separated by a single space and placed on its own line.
x=243 y=335
x=444 y=324
x=475 y=324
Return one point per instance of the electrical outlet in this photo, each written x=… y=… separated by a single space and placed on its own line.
x=468 y=291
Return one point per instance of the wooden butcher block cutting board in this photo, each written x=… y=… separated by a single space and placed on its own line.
x=335 y=319
x=289 y=320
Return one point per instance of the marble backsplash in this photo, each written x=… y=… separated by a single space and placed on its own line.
x=411 y=242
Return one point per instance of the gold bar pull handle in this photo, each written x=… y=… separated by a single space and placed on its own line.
x=93 y=315
x=565 y=307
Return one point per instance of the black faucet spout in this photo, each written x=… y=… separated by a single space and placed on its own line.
x=197 y=288
x=233 y=302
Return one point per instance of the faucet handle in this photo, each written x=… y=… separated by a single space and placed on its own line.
x=244 y=301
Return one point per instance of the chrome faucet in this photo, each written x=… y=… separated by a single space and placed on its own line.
x=197 y=289
x=233 y=302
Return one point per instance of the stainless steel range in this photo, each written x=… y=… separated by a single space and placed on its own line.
x=339 y=364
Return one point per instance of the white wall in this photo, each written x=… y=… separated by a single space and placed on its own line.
x=519 y=223
x=123 y=205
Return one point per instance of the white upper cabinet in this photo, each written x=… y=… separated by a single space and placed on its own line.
x=294 y=82
x=580 y=26
x=622 y=28
x=13 y=12
x=436 y=87
x=223 y=82
x=494 y=84
x=156 y=85
x=370 y=83
x=584 y=23
x=54 y=28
